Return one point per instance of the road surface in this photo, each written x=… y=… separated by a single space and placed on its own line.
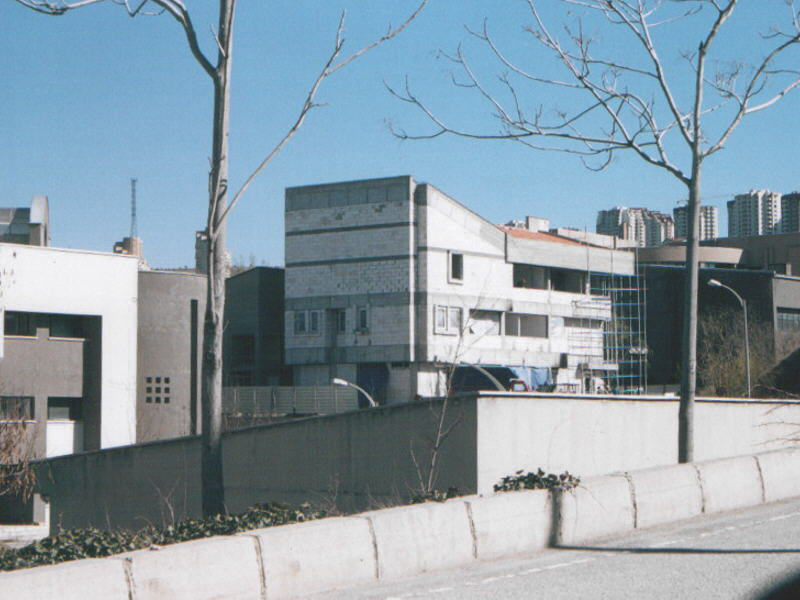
x=735 y=555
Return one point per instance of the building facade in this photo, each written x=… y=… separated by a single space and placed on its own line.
x=756 y=213
x=709 y=222
x=389 y=283
x=29 y=226
x=254 y=329
x=646 y=227
x=790 y=212
x=171 y=309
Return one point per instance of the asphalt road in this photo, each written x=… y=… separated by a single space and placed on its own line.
x=735 y=555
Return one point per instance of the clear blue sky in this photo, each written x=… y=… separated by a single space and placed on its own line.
x=94 y=98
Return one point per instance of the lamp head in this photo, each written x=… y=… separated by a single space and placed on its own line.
x=714 y=283
x=337 y=381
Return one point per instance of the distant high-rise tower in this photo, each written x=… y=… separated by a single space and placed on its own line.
x=647 y=227
x=790 y=212
x=756 y=213
x=709 y=223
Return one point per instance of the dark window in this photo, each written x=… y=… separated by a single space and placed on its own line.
x=166 y=399
x=158 y=390
x=66 y=326
x=300 y=321
x=158 y=399
x=64 y=409
x=16 y=407
x=166 y=379
x=313 y=321
x=166 y=390
x=521 y=325
x=19 y=323
x=456 y=266
x=363 y=320
x=158 y=379
x=149 y=390
x=149 y=400
x=149 y=380
x=341 y=321
x=789 y=319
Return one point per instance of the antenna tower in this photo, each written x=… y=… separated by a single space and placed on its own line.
x=134 y=232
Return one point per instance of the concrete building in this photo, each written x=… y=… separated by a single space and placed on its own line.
x=171 y=308
x=709 y=222
x=771 y=298
x=646 y=227
x=69 y=345
x=778 y=252
x=790 y=212
x=389 y=282
x=254 y=330
x=29 y=226
x=756 y=213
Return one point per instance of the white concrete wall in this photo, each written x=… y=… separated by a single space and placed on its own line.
x=51 y=280
x=594 y=435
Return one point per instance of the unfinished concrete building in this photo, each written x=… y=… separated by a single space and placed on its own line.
x=390 y=283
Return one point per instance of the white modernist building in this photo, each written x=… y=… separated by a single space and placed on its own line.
x=68 y=346
x=390 y=282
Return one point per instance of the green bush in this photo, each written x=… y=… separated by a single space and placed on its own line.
x=537 y=481
x=73 y=544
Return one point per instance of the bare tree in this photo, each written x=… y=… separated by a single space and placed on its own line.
x=218 y=70
x=629 y=101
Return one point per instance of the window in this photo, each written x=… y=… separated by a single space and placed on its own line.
x=341 y=321
x=307 y=322
x=19 y=323
x=456 y=267
x=363 y=318
x=299 y=321
x=66 y=326
x=484 y=322
x=789 y=319
x=16 y=408
x=68 y=409
x=522 y=325
x=447 y=320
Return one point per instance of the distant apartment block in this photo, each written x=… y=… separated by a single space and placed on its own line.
x=646 y=227
x=790 y=212
x=30 y=226
x=756 y=213
x=390 y=282
x=709 y=222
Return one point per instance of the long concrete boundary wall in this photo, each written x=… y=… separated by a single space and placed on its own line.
x=376 y=457
x=294 y=561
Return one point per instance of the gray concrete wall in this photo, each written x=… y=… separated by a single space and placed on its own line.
x=169 y=350
x=364 y=459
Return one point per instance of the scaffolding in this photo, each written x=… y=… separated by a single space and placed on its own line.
x=607 y=336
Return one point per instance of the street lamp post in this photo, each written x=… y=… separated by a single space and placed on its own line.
x=716 y=283
x=345 y=383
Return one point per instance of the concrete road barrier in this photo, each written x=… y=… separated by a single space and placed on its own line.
x=730 y=483
x=666 y=494
x=423 y=537
x=306 y=558
x=599 y=507
x=220 y=567
x=302 y=559
x=78 y=580
x=780 y=472
x=511 y=523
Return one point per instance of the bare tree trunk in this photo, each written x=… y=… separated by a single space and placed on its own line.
x=213 y=489
x=689 y=349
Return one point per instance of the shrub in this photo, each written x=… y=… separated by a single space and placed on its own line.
x=537 y=481
x=73 y=544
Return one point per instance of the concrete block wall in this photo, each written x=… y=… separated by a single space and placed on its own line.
x=294 y=561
